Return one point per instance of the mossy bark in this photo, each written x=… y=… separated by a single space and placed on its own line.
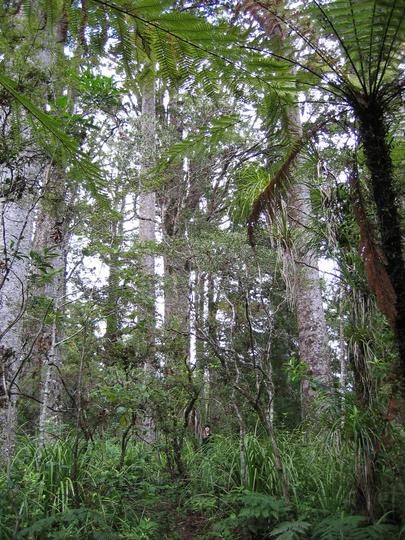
x=374 y=136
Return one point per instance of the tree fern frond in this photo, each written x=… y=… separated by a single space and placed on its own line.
x=331 y=22
x=52 y=126
x=167 y=55
x=369 y=33
x=393 y=35
x=229 y=59
x=201 y=142
x=269 y=199
x=126 y=41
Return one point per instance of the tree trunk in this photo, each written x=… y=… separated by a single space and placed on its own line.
x=50 y=244
x=147 y=217
x=177 y=270
x=374 y=135
x=309 y=308
x=365 y=446
x=113 y=318
x=15 y=234
x=308 y=299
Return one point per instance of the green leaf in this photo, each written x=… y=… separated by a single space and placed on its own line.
x=81 y=159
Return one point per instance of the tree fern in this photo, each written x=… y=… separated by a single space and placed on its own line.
x=369 y=34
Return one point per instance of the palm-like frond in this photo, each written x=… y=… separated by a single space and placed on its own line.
x=81 y=159
x=182 y=43
x=251 y=181
x=269 y=199
x=369 y=34
x=203 y=141
x=276 y=188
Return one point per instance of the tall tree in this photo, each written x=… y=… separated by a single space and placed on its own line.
x=22 y=172
x=147 y=222
x=312 y=333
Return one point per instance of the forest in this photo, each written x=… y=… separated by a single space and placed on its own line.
x=202 y=269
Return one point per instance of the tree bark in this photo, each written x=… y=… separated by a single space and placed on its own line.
x=113 y=318
x=15 y=234
x=147 y=218
x=50 y=243
x=177 y=270
x=309 y=306
x=374 y=136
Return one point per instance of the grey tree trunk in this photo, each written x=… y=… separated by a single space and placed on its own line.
x=310 y=315
x=147 y=219
x=20 y=178
x=177 y=269
x=15 y=234
x=113 y=318
x=312 y=333
x=147 y=198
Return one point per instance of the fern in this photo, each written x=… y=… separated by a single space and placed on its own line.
x=290 y=530
x=203 y=141
x=369 y=33
x=352 y=528
x=77 y=517
x=52 y=125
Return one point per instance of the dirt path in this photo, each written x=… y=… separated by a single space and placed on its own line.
x=192 y=526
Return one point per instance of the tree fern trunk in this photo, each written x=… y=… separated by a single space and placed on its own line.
x=374 y=136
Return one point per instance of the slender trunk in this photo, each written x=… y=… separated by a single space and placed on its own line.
x=147 y=217
x=113 y=290
x=342 y=345
x=365 y=446
x=242 y=431
x=50 y=244
x=147 y=201
x=177 y=269
x=211 y=328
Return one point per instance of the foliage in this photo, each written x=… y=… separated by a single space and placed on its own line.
x=143 y=342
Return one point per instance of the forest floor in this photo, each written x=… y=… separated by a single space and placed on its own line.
x=192 y=526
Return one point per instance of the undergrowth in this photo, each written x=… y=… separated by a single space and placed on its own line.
x=84 y=491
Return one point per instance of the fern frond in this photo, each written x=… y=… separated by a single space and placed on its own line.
x=203 y=141
x=369 y=33
x=251 y=181
x=352 y=528
x=52 y=126
x=290 y=530
x=269 y=199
